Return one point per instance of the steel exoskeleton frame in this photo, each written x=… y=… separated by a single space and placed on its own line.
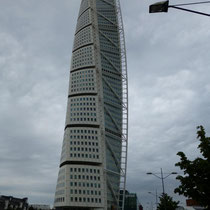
x=124 y=100
x=124 y=151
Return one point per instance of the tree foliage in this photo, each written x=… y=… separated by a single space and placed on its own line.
x=195 y=183
x=167 y=203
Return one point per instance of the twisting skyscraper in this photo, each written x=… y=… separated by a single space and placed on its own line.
x=92 y=171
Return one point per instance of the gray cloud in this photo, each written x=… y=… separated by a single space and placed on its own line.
x=168 y=66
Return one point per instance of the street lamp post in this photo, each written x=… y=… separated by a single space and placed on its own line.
x=156 y=197
x=162 y=177
x=162 y=181
x=164 y=5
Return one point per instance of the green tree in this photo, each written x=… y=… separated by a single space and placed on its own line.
x=195 y=183
x=167 y=203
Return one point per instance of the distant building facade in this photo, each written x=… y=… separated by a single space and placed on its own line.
x=13 y=203
x=40 y=206
x=193 y=204
x=131 y=202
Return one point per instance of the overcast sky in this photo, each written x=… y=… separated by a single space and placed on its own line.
x=169 y=92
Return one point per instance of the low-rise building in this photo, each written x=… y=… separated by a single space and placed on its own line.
x=191 y=205
x=13 y=203
x=40 y=206
x=131 y=202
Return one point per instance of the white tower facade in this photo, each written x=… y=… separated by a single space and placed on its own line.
x=92 y=172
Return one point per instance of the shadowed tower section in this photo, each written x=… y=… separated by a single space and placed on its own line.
x=92 y=172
